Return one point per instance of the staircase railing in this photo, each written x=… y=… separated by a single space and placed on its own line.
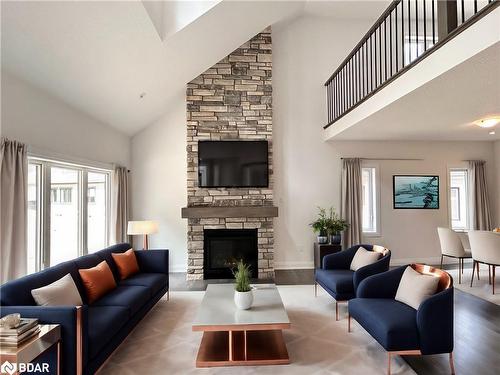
x=407 y=32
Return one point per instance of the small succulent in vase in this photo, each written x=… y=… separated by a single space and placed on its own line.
x=243 y=296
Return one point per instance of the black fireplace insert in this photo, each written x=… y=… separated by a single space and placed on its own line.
x=223 y=248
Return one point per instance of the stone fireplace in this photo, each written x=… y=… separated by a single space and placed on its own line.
x=231 y=101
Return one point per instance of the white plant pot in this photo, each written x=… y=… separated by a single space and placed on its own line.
x=243 y=300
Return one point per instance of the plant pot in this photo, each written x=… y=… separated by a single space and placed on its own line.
x=335 y=239
x=322 y=239
x=243 y=300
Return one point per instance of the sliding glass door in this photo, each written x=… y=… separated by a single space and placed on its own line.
x=65 y=207
x=68 y=212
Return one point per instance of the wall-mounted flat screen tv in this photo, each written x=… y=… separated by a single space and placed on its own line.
x=233 y=164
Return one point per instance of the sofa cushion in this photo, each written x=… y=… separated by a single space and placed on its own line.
x=131 y=296
x=105 y=254
x=62 y=292
x=154 y=281
x=98 y=281
x=363 y=258
x=393 y=324
x=339 y=281
x=126 y=263
x=103 y=323
x=414 y=287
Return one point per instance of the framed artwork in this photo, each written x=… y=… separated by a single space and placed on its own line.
x=415 y=192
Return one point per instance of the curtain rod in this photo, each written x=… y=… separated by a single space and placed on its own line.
x=396 y=159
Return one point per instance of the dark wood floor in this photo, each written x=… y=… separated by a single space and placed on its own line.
x=477 y=327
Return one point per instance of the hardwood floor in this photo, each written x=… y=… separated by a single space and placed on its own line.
x=477 y=327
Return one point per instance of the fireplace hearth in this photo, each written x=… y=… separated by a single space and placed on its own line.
x=223 y=248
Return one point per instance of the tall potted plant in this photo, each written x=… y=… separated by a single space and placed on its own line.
x=320 y=226
x=335 y=225
x=243 y=296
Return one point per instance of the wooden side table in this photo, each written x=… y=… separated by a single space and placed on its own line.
x=320 y=250
x=49 y=335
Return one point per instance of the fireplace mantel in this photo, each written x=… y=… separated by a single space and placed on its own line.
x=233 y=211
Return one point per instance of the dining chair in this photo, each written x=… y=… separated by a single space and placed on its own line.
x=452 y=246
x=485 y=247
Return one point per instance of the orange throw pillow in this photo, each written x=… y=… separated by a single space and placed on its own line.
x=126 y=263
x=98 y=281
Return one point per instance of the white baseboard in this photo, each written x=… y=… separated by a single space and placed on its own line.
x=305 y=264
x=178 y=268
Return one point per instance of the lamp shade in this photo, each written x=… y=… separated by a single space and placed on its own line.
x=142 y=227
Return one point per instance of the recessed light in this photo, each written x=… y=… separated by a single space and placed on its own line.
x=487 y=122
x=142 y=95
x=492 y=132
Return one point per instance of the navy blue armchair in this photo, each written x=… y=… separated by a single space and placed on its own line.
x=90 y=333
x=399 y=328
x=336 y=278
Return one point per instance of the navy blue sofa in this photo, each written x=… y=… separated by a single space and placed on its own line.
x=90 y=333
x=339 y=281
x=399 y=328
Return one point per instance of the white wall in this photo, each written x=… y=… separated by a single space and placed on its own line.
x=49 y=125
x=497 y=191
x=307 y=169
x=305 y=52
x=159 y=174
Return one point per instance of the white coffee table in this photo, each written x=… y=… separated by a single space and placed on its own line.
x=233 y=337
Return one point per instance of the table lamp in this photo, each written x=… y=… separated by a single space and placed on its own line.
x=144 y=228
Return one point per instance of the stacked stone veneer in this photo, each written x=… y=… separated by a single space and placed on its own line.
x=231 y=101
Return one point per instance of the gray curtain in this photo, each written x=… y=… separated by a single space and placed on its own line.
x=351 y=204
x=480 y=203
x=121 y=208
x=13 y=208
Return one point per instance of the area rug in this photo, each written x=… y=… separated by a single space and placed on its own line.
x=480 y=288
x=163 y=343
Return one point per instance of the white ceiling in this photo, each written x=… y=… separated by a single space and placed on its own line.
x=100 y=56
x=443 y=109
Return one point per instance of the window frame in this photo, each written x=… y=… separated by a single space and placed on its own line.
x=378 y=229
x=45 y=194
x=467 y=213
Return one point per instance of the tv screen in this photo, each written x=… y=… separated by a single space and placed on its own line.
x=233 y=164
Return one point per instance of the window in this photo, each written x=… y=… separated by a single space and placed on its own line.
x=63 y=222
x=459 y=199
x=370 y=201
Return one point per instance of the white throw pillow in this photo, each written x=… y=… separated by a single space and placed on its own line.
x=62 y=292
x=414 y=287
x=363 y=258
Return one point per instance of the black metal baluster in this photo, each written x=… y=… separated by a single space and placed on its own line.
x=409 y=32
x=371 y=64
x=433 y=25
x=396 y=37
x=475 y=6
x=425 y=27
x=380 y=54
x=416 y=29
x=385 y=49
x=402 y=35
x=463 y=11
x=390 y=40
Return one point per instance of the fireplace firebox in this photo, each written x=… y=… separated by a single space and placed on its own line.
x=223 y=248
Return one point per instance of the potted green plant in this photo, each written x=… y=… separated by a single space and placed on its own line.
x=320 y=226
x=335 y=225
x=243 y=296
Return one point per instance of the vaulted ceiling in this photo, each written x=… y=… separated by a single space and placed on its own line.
x=122 y=61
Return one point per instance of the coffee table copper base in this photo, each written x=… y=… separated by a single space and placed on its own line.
x=242 y=348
